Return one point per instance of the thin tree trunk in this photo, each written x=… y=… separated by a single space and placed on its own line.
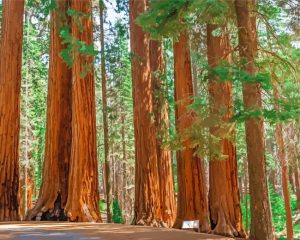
x=59 y=122
x=192 y=194
x=104 y=113
x=166 y=183
x=147 y=207
x=246 y=195
x=10 y=88
x=83 y=195
x=284 y=172
x=291 y=179
x=124 y=166
x=224 y=199
x=261 y=220
x=297 y=184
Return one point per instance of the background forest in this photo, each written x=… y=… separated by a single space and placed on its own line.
x=204 y=22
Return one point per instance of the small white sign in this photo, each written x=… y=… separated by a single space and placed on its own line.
x=191 y=225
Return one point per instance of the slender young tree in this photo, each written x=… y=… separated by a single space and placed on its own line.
x=192 y=194
x=161 y=115
x=83 y=197
x=147 y=207
x=281 y=153
x=224 y=199
x=261 y=219
x=10 y=88
x=104 y=113
x=59 y=120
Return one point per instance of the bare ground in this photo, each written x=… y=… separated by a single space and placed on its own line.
x=88 y=231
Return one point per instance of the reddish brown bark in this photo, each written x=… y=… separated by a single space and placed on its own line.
x=284 y=172
x=261 y=220
x=224 y=199
x=166 y=183
x=192 y=198
x=83 y=196
x=147 y=209
x=10 y=88
x=29 y=191
x=59 y=120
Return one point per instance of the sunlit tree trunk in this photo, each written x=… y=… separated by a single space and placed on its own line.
x=147 y=207
x=10 y=88
x=166 y=183
x=192 y=194
x=59 y=121
x=261 y=220
x=83 y=197
x=224 y=199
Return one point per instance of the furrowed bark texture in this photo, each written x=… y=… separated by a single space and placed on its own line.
x=10 y=88
x=59 y=121
x=261 y=219
x=147 y=207
x=83 y=196
x=224 y=199
x=164 y=158
x=192 y=195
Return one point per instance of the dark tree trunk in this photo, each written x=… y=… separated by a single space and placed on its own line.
x=105 y=117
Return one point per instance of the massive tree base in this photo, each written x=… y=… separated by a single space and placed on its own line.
x=225 y=228
x=48 y=212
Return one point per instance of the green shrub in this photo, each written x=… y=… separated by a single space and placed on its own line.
x=117 y=212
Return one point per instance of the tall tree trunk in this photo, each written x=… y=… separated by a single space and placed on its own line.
x=192 y=194
x=147 y=207
x=284 y=172
x=261 y=220
x=124 y=169
x=104 y=113
x=224 y=199
x=83 y=196
x=10 y=88
x=297 y=184
x=166 y=183
x=59 y=121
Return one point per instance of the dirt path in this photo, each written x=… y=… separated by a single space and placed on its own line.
x=88 y=231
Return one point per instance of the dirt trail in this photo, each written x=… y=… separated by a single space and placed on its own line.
x=88 y=231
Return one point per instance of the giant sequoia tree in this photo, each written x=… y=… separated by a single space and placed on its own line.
x=59 y=119
x=160 y=108
x=224 y=200
x=83 y=196
x=192 y=194
x=261 y=221
x=147 y=210
x=10 y=88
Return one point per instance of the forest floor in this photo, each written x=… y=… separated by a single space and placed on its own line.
x=88 y=231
